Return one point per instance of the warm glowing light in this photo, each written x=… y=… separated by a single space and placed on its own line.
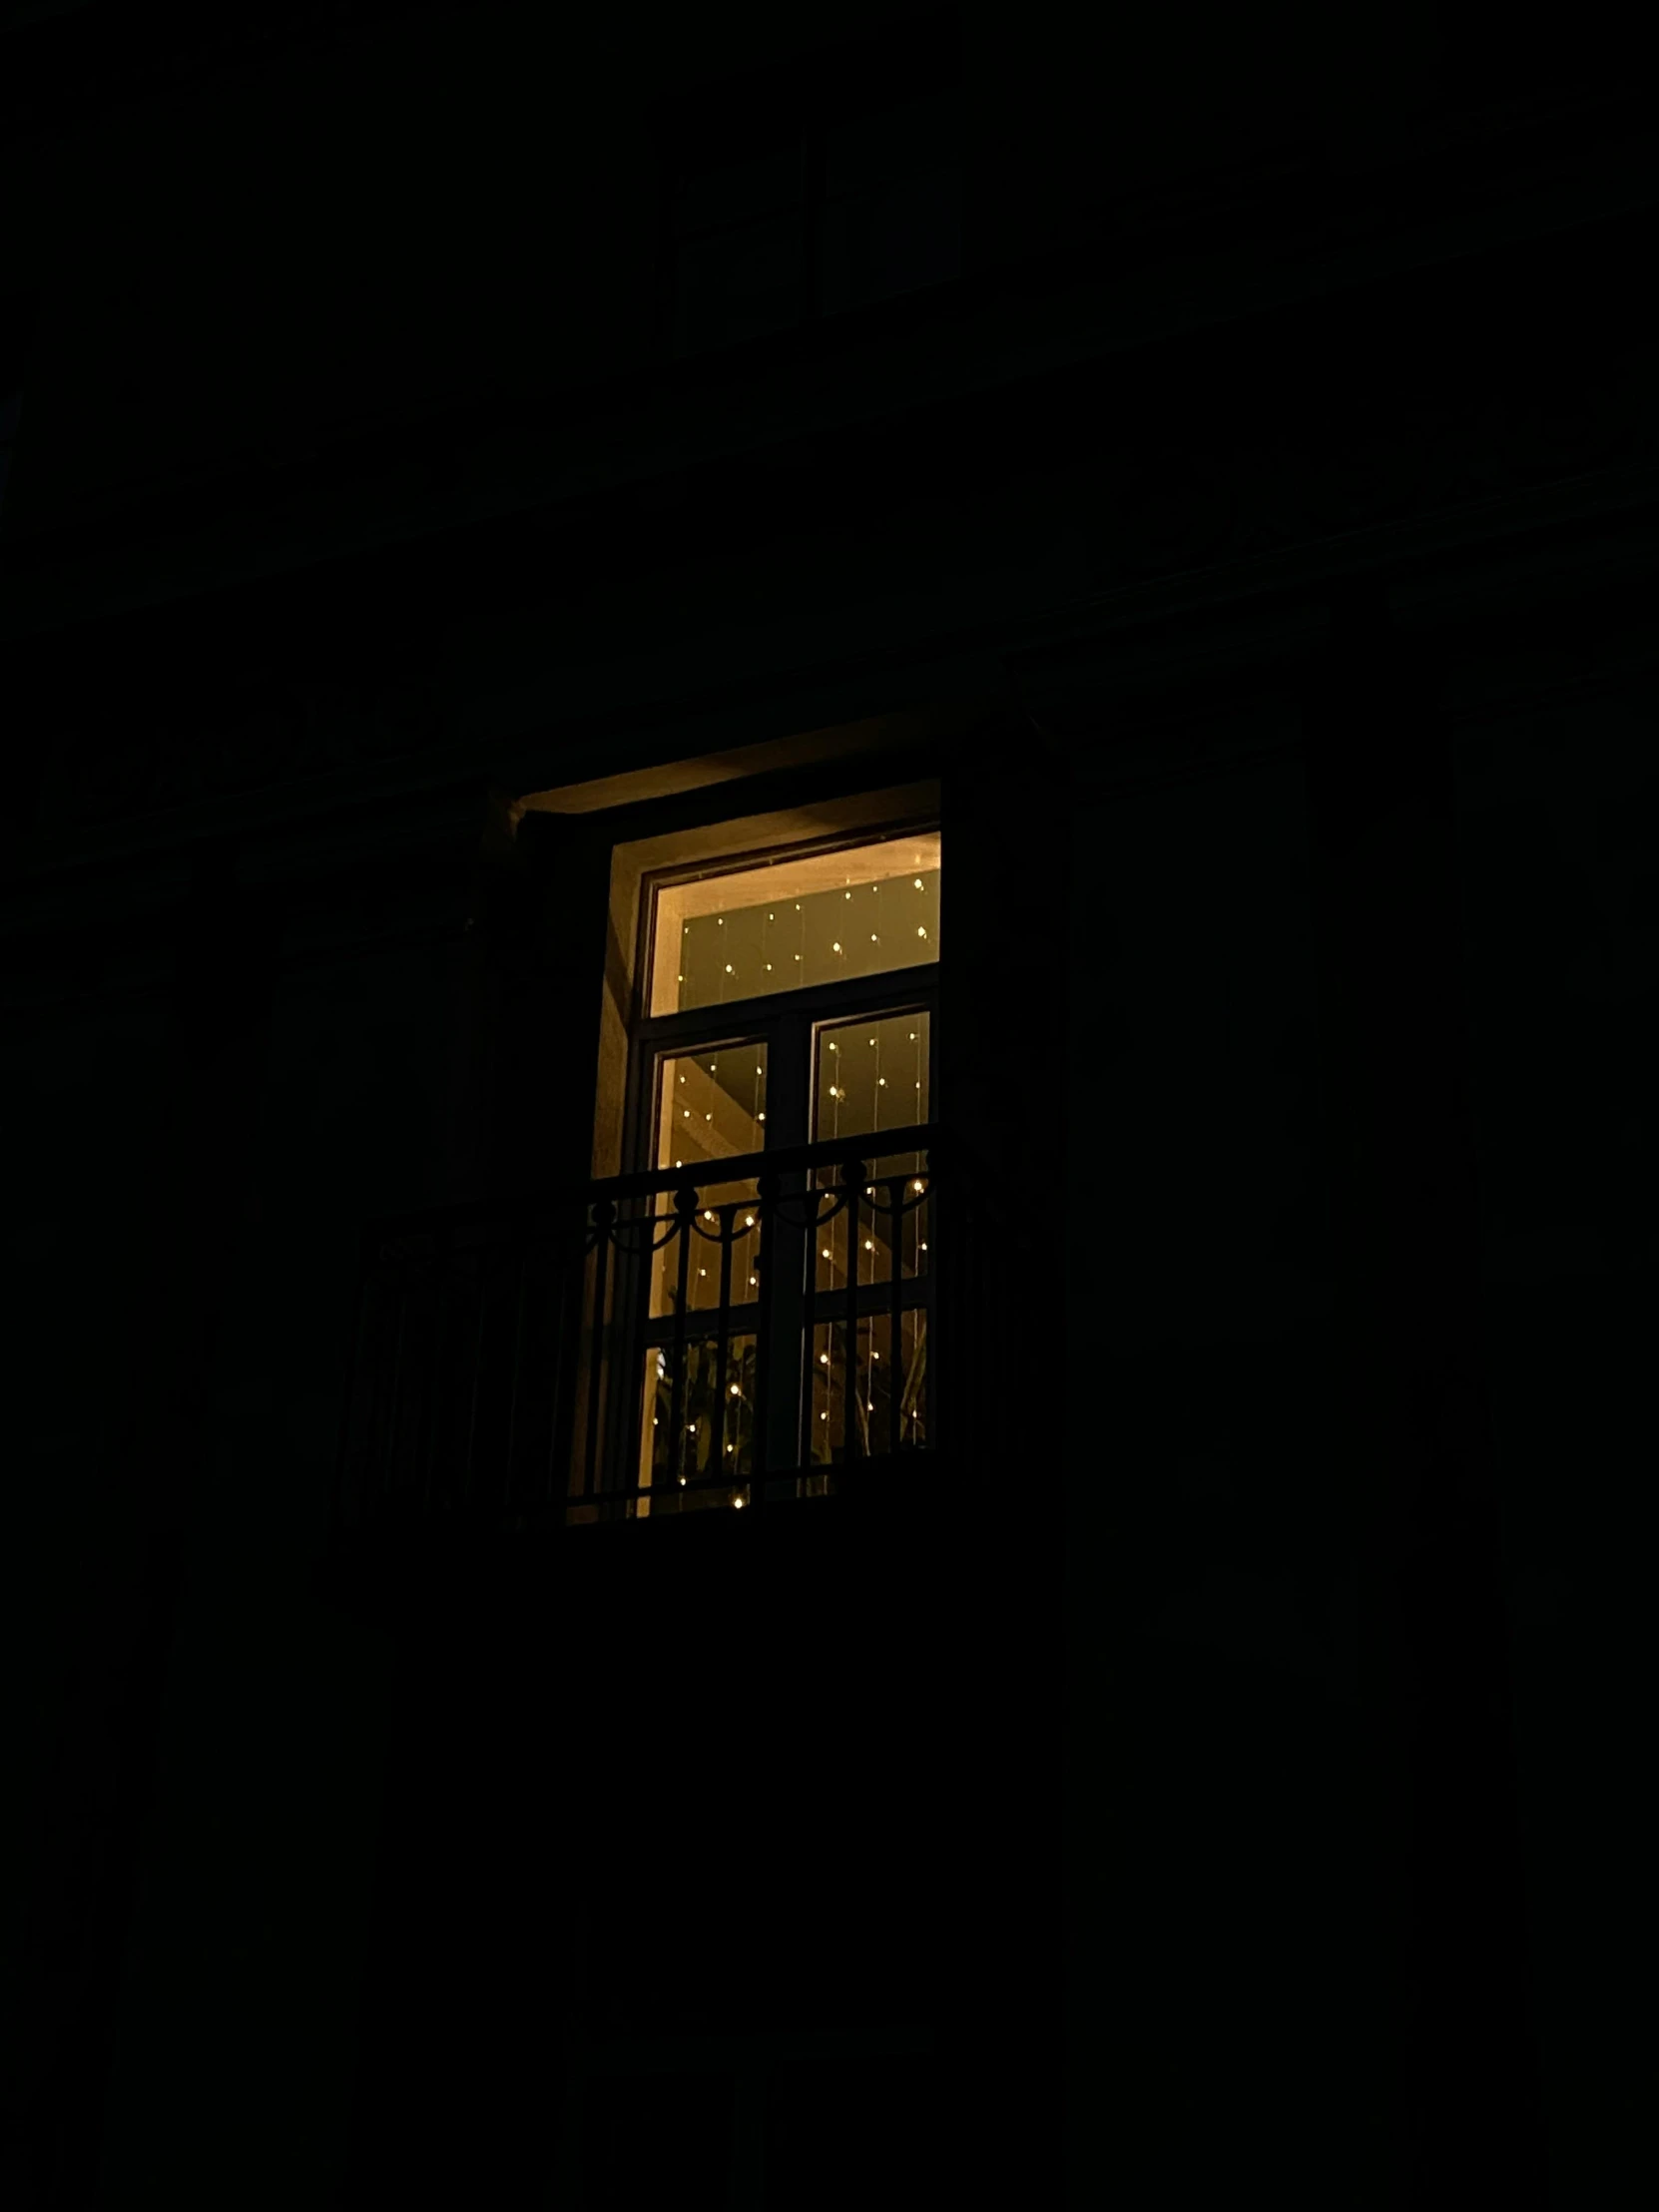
x=729 y=964
x=824 y=1358
x=736 y=1389
x=835 y=947
x=917 y=1184
x=749 y=1219
x=827 y=1252
x=921 y=933
x=918 y=882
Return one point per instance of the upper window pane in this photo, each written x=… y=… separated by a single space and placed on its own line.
x=795 y=922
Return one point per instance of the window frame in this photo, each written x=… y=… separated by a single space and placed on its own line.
x=788 y=1022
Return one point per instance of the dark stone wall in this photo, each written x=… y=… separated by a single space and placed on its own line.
x=1282 y=475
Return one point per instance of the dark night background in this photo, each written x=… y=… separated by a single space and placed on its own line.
x=1218 y=447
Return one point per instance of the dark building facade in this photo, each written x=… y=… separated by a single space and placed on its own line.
x=584 y=1632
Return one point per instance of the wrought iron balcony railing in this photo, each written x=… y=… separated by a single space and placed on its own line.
x=655 y=1342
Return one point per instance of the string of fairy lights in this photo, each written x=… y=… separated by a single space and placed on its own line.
x=783 y=955
x=785 y=947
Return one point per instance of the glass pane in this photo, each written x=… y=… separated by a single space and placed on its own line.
x=711 y=1106
x=869 y=1076
x=709 y=1444
x=791 y=924
x=867 y=1393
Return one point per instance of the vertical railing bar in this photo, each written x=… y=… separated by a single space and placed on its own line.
x=956 y=1323
x=957 y=1320
x=928 y=1215
x=685 y=1208
x=727 y=1221
x=601 y=1283
x=852 y=1173
x=765 y=1242
x=895 y=1325
x=808 y=1394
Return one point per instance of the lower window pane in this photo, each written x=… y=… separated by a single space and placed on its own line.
x=860 y=1395
x=713 y=1439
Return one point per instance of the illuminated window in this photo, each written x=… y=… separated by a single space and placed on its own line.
x=790 y=1008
